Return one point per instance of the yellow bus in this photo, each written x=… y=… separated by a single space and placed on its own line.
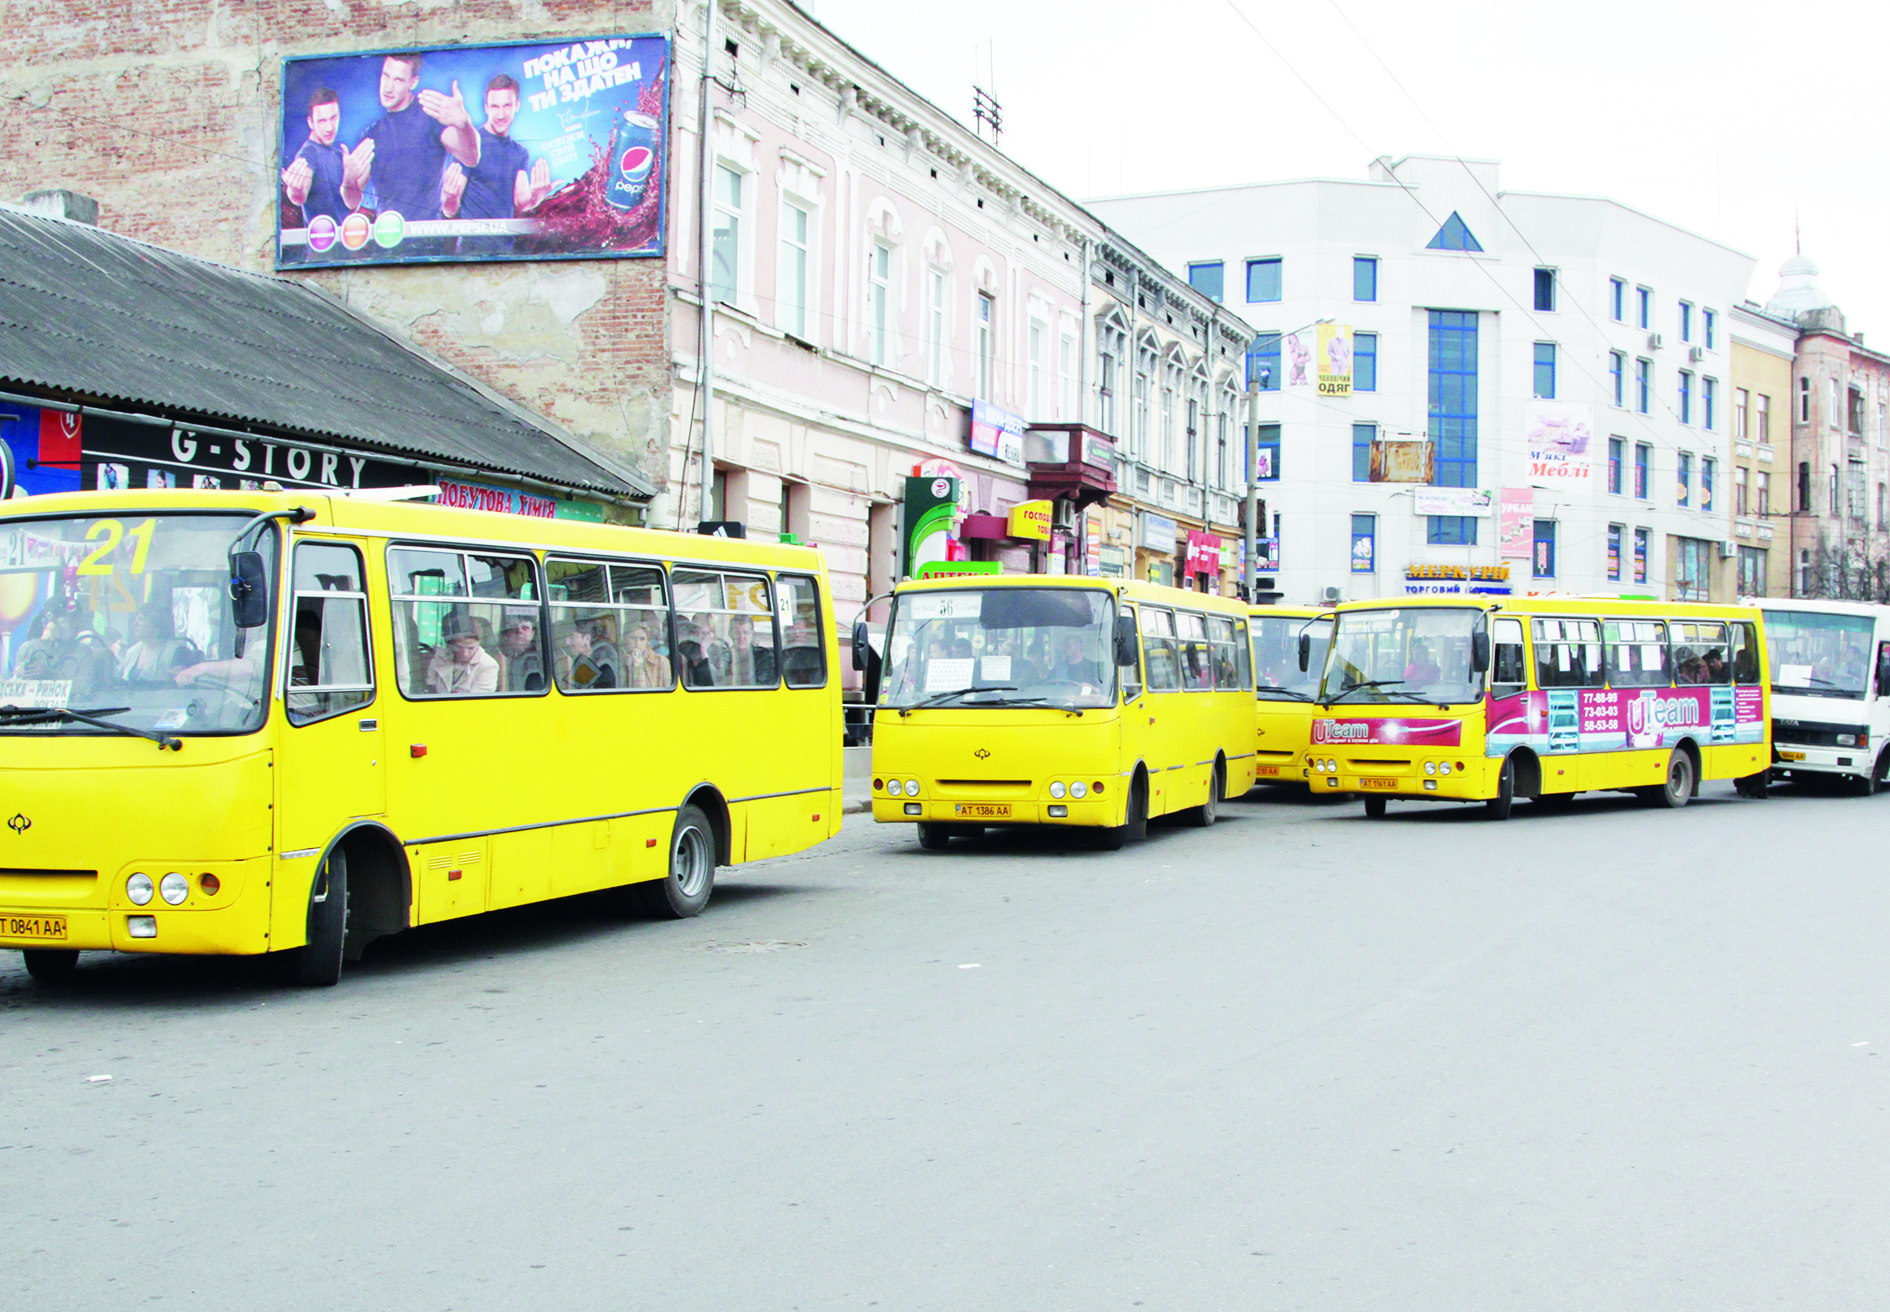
x=1454 y=699
x=249 y=722
x=1283 y=692
x=1059 y=701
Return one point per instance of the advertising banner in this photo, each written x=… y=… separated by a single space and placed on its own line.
x=1401 y=458
x=1031 y=519
x=1559 y=437
x=546 y=150
x=928 y=510
x=1364 y=551
x=511 y=501
x=1158 y=533
x=1388 y=732
x=997 y=433
x=1518 y=523
x=1335 y=359
x=1296 y=356
x=44 y=445
x=1204 y=552
x=1558 y=720
x=1475 y=502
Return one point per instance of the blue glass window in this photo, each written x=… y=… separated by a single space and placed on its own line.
x=1207 y=277
x=1617 y=456
x=1364 y=278
x=1263 y=363
x=1545 y=370
x=1362 y=435
x=1706 y=482
x=1707 y=319
x=1263 y=280
x=1644 y=386
x=1269 y=453
x=1452 y=415
x=1686 y=396
x=1683 y=480
x=1545 y=549
x=1643 y=459
x=1614 y=553
x=1455 y=235
x=1646 y=301
x=1617 y=300
x=1617 y=370
x=1545 y=289
x=1686 y=322
x=1709 y=397
x=1364 y=544
x=1364 y=362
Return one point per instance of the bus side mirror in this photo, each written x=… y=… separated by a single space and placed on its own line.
x=249 y=590
x=1305 y=652
x=862 y=649
x=1480 y=651
x=1126 y=650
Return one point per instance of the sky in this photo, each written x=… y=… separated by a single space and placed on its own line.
x=1735 y=120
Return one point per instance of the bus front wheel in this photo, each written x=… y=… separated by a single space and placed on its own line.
x=1498 y=807
x=317 y=963
x=51 y=965
x=1374 y=808
x=934 y=837
x=685 y=890
x=1755 y=786
x=1134 y=826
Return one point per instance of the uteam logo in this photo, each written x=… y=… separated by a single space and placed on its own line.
x=1650 y=712
x=1341 y=731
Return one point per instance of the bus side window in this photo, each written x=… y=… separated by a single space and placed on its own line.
x=1243 y=657
x=1160 y=654
x=1634 y=653
x=1508 y=673
x=1131 y=675
x=1196 y=661
x=803 y=656
x=329 y=669
x=1745 y=661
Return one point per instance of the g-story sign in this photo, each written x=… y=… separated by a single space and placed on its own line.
x=122 y=453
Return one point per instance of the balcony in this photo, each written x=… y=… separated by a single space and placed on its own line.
x=1070 y=462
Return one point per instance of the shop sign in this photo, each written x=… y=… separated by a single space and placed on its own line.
x=1471 y=573
x=511 y=501
x=1031 y=519
x=927 y=514
x=1158 y=533
x=1113 y=562
x=117 y=453
x=958 y=569
x=1474 y=502
x=997 y=433
x=1517 y=528
x=1204 y=552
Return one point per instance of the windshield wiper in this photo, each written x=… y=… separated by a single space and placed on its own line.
x=1283 y=692
x=939 y=699
x=1368 y=683
x=11 y=714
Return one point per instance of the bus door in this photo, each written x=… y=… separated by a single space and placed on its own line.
x=1164 y=707
x=331 y=766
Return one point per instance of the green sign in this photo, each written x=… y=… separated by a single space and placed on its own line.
x=957 y=569
x=930 y=506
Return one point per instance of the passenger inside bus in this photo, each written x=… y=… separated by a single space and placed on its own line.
x=646 y=669
x=460 y=666
x=585 y=664
x=156 y=652
x=521 y=659
x=1421 y=668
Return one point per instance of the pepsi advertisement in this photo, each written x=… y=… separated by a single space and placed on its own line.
x=547 y=150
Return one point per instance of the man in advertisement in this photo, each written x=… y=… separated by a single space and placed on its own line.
x=504 y=183
x=405 y=151
x=313 y=179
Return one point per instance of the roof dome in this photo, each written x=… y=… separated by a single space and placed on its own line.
x=1798 y=291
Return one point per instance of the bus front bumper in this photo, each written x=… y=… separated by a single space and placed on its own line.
x=1823 y=760
x=1468 y=784
x=43 y=912
x=1090 y=812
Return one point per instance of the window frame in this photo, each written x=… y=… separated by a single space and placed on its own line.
x=1219 y=270
x=669 y=611
x=365 y=597
x=1368 y=266
x=680 y=667
x=1278 y=265
x=781 y=649
x=1360 y=354
x=460 y=548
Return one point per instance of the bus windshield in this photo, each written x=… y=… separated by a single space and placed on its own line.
x=127 y=621
x=1815 y=654
x=1001 y=647
x=1276 y=671
x=1414 y=654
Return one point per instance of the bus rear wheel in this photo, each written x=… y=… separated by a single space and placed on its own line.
x=1204 y=815
x=1678 y=790
x=1755 y=786
x=1375 y=808
x=51 y=965
x=685 y=890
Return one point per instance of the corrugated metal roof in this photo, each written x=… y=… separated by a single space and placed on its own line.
x=88 y=311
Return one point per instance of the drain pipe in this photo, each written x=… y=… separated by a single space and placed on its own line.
x=705 y=386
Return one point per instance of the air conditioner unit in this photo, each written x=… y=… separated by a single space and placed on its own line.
x=1727 y=550
x=1063 y=515
x=1332 y=596
x=1655 y=341
x=1696 y=353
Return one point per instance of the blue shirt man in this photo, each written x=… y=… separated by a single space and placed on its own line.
x=504 y=184
x=405 y=151
x=312 y=181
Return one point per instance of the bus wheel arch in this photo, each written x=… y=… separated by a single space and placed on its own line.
x=380 y=885
x=1528 y=772
x=707 y=799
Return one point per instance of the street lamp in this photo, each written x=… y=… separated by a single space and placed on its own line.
x=1253 y=469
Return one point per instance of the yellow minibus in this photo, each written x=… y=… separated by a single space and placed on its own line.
x=1059 y=701
x=289 y=723
x=1462 y=700
x=1283 y=692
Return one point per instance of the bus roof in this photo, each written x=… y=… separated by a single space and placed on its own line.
x=1596 y=607
x=1822 y=605
x=1133 y=589
x=421 y=521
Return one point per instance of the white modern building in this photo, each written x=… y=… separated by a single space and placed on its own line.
x=1557 y=369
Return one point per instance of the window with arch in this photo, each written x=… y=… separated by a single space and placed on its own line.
x=937 y=332
x=1112 y=348
x=984 y=326
x=879 y=276
x=1146 y=363
x=1171 y=384
x=1037 y=357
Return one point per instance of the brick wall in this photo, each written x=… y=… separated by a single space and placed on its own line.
x=165 y=113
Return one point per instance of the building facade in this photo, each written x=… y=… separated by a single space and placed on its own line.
x=1538 y=392
x=1758 y=508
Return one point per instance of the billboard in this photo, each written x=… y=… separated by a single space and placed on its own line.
x=1474 y=502
x=545 y=150
x=1560 y=433
x=1518 y=523
x=996 y=433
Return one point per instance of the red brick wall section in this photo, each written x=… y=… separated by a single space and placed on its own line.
x=164 y=111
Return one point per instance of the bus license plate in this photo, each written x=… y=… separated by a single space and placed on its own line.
x=983 y=810
x=1784 y=755
x=53 y=927
x=1269 y=772
x=1378 y=783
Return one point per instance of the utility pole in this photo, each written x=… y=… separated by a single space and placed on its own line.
x=705 y=389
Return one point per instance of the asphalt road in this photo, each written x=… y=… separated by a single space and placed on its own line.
x=1608 y=1059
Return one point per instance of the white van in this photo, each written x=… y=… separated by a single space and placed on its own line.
x=1830 y=688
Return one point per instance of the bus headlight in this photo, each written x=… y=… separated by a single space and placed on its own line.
x=1079 y=789
x=1430 y=767
x=1056 y=789
x=140 y=889
x=174 y=888
x=1444 y=768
